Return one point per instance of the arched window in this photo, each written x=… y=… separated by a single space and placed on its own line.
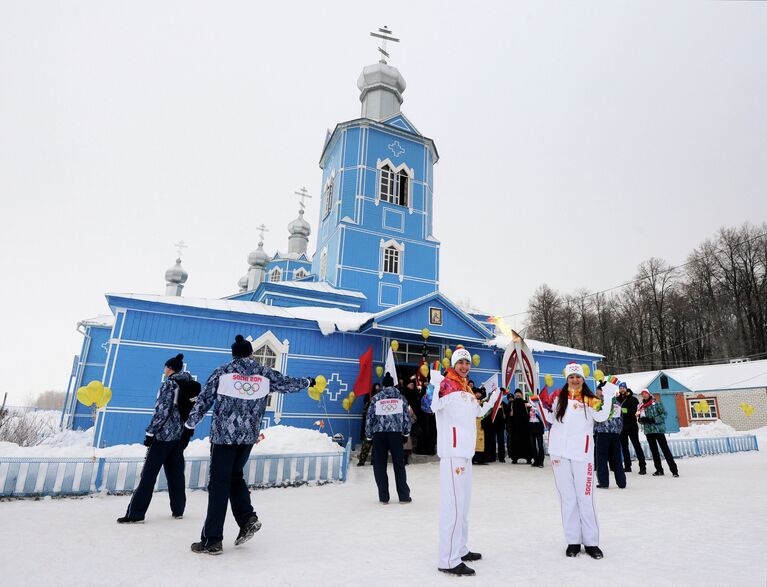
x=300 y=273
x=275 y=275
x=387 y=185
x=327 y=197
x=664 y=382
x=265 y=356
x=391 y=260
x=403 y=187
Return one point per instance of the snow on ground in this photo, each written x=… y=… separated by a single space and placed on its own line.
x=78 y=443
x=704 y=528
x=714 y=429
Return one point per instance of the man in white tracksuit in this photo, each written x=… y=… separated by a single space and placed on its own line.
x=571 y=448
x=456 y=410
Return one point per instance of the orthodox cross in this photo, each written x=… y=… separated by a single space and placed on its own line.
x=302 y=193
x=261 y=230
x=384 y=34
x=180 y=246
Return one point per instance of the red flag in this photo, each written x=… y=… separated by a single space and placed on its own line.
x=364 y=381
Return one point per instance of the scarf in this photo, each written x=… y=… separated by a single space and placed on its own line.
x=593 y=402
x=462 y=382
x=645 y=405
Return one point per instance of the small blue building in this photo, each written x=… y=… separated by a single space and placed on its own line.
x=374 y=278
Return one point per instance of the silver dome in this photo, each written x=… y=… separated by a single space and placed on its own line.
x=258 y=258
x=176 y=274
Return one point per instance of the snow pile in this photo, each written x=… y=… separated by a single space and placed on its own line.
x=278 y=440
x=713 y=430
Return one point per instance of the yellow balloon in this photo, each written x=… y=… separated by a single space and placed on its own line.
x=84 y=396
x=103 y=398
x=320 y=383
x=448 y=353
x=563 y=372
x=95 y=386
x=445 y=362
x=352 y=395
x=548 y=380
x=345 y=404
x=424 y=369
x=425 y=333
x=599 y=375
x=379 y=370
x=475 y=360
x=586 y=369
x=314 y=394
x=394 y=345
x=701 y=406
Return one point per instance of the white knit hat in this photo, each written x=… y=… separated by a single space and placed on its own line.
x=574 y=369
x=458 y=354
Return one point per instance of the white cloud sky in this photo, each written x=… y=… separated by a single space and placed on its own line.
x=576 y=140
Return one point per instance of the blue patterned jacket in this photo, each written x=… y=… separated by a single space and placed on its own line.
x=388 y=412
x=166 y=422
x=614 y=423
x=240 y=390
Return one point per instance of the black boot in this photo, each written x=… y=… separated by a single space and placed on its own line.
x=573 y=550
x=594 y=552
x=200 y=548
x=246 y=532
x=471 y=556
x=127 y=520
x=461 y=569
x=658 y=474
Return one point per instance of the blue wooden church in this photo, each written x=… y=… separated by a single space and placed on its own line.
x=373 y=278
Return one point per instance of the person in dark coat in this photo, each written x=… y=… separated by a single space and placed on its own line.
x=536 y=429
x=163 y=436
x=497 y=435
x=386 y=425
x=652 y=416
x=629 y=404
x=240 y=391
x=607 y=447
x=520 y=432
x=366 y=444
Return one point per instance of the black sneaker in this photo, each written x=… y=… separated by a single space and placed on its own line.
x=460 y=570
x=200 y=548
x=406 y=500
x=658 y=474
x=627 y=469
x=572 y=550
x=643 y=471
x=471 y=556
x=127 y=520
x=594 y=552
x=602 y=486
x=246 y=532
x=178 y=517
x=676 y=474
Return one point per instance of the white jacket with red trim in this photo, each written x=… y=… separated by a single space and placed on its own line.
x=573 y=437
x=456 y=412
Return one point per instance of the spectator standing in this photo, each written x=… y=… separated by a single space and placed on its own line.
x=607 y=447
x=536 y=429
x=652 y=416
x=629 y=405
x=366 y=444
x=520 y=434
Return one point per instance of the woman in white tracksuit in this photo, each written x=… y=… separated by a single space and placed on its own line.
x=456 y=411
x=571 y=448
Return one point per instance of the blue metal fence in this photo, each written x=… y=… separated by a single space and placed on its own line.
x=31 y=477
x=698 y=447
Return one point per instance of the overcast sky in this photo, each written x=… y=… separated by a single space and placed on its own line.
x=576 y=140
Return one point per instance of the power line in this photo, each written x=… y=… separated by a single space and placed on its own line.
x=640 y=279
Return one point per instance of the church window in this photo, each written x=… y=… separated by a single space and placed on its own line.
x=275 y=275
x=265 y=356
x=388 y=193
x=327 y=197
x=323 y=265
x=391 y=260
x=402 y=187
x=300 y=273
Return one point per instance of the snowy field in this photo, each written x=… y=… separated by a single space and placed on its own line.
x=705 y=528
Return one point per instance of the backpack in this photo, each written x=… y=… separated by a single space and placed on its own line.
x=187 y=395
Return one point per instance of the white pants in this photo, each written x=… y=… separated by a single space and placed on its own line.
x=575 y=485
x=454 y=501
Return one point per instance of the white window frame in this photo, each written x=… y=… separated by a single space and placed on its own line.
x=272 y=273
x=300 y=273
x=400 y=248
x=280 y=349
x=328 y=195
x=713 y=408
x=388 y=189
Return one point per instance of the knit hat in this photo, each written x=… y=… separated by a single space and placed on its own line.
x=647 y=391
x=458 y=354
x=388 y=380
x=241 y=347
x=176 y=363
x=574 y=369
x=623 y=384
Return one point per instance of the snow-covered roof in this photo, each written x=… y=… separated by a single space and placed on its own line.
x=328 y=319
x=100 y=320
x=706 y=377
x=323 y=287
x=537 y=346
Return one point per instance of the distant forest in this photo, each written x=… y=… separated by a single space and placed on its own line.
x=710 y=309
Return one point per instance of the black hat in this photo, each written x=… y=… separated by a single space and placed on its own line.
x=176 y=363
x=241 y=347
x=388 y=381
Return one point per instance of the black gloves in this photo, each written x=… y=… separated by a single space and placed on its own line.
x=185 y=436
x=148 y=440
x=602 y=384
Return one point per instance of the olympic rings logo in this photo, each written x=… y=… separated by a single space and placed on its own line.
x=389 y=407
x=246 y=388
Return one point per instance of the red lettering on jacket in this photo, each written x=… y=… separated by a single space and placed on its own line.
x=587 y=444
x=455 y=438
